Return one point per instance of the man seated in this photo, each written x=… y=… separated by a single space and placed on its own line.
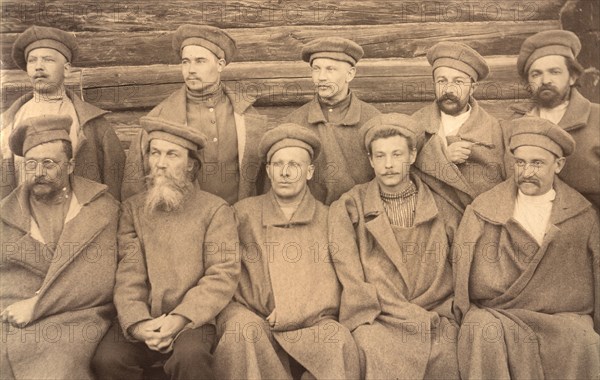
x=178 y=266
x=526 y=258
x=286 y=306
x=393 y=237
x=58 y=243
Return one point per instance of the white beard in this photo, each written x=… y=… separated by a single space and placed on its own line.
x=166 y=192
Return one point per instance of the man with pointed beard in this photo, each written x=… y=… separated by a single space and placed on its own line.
x=461 y=154
x=178 y=266
x=548 y=64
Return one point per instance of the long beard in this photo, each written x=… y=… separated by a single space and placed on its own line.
x=167 y=192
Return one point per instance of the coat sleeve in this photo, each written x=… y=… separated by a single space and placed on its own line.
x=131 y=288
x=594 y=248
x=113 y=160
x=135 y=168
x=359 y=303
x=203 y=302
x=463 y=248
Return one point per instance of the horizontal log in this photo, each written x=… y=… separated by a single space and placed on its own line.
x=285 y=43
x=126 y=123
x=151 y=15
x=274 y=83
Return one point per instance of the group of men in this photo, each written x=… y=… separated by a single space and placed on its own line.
x=342 y=243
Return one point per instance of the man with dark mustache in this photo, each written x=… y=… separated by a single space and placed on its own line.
x=335 y=114
x=230 y=166
x=178 y=265
x=58 y=242
x=527 y=268
x=548 y=64
x=46 y=54
x=392 y=237
x=461 y=150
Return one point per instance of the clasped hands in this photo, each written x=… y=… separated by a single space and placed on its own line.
x=159 y=333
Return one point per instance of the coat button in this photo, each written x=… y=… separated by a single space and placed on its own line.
x=215 y=139
x=211 y=109
x=212 y=121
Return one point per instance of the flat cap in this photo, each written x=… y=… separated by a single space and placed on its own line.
x=337 y=48
x=535 y=131
x=36 y=37
x=460 y=57
x=289 y=135
x=219 y=42
x=167 y=130
x=39 y=130
x=548 y=42
x=404 y=124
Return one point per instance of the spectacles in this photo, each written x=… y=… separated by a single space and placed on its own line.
x=46 y=163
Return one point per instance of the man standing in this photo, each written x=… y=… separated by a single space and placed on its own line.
x=463 y=149
x=58 y=243
x=548 y=63
x=178 y=265
x=288 y=290
x=527 y=259
x=335 y=114
x=393 y=237
x=230 y=166
x=46 y=54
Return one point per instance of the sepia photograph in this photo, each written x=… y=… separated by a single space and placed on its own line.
x=278 y=189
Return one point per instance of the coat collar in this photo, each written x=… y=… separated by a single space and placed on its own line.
x=567 y=203
x=85 y=111
x=273 y=216
x=315 y=113
x=174 y=107
x=425 y=210
x=472 y=129
x=577 y=114
x=15 y=207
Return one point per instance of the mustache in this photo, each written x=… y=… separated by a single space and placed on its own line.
x=529 y=180
x=448 y=97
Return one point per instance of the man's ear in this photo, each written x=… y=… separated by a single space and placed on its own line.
x=222 y=63
x=70 y=166
x=67 y=68
x=560 y=164
x=310 y=172
x=473 y=88
x=351 y=74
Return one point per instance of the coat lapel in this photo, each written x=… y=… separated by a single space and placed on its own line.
x=82 y=227
x=380 y=228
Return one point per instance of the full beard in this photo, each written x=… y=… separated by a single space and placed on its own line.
x=548 y=96
x=167 y=192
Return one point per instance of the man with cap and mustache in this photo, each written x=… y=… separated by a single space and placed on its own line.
x=230 y=167
x=178 y=265
x=46 y=54
x=335 y=114
x=58 y=242
x=392 y=236
x=548 y=63
x=462 y=151
x=288 y=292
x=527 y=268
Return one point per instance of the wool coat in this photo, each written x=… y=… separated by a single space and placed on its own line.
x=343 y=161
x=99 y=155
x=396 y=284
x=459 y=184
x=528 y=310
x=286 y=267
x=582 y=121
x=249 y=125
x=180 y=262
x=74 y=282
